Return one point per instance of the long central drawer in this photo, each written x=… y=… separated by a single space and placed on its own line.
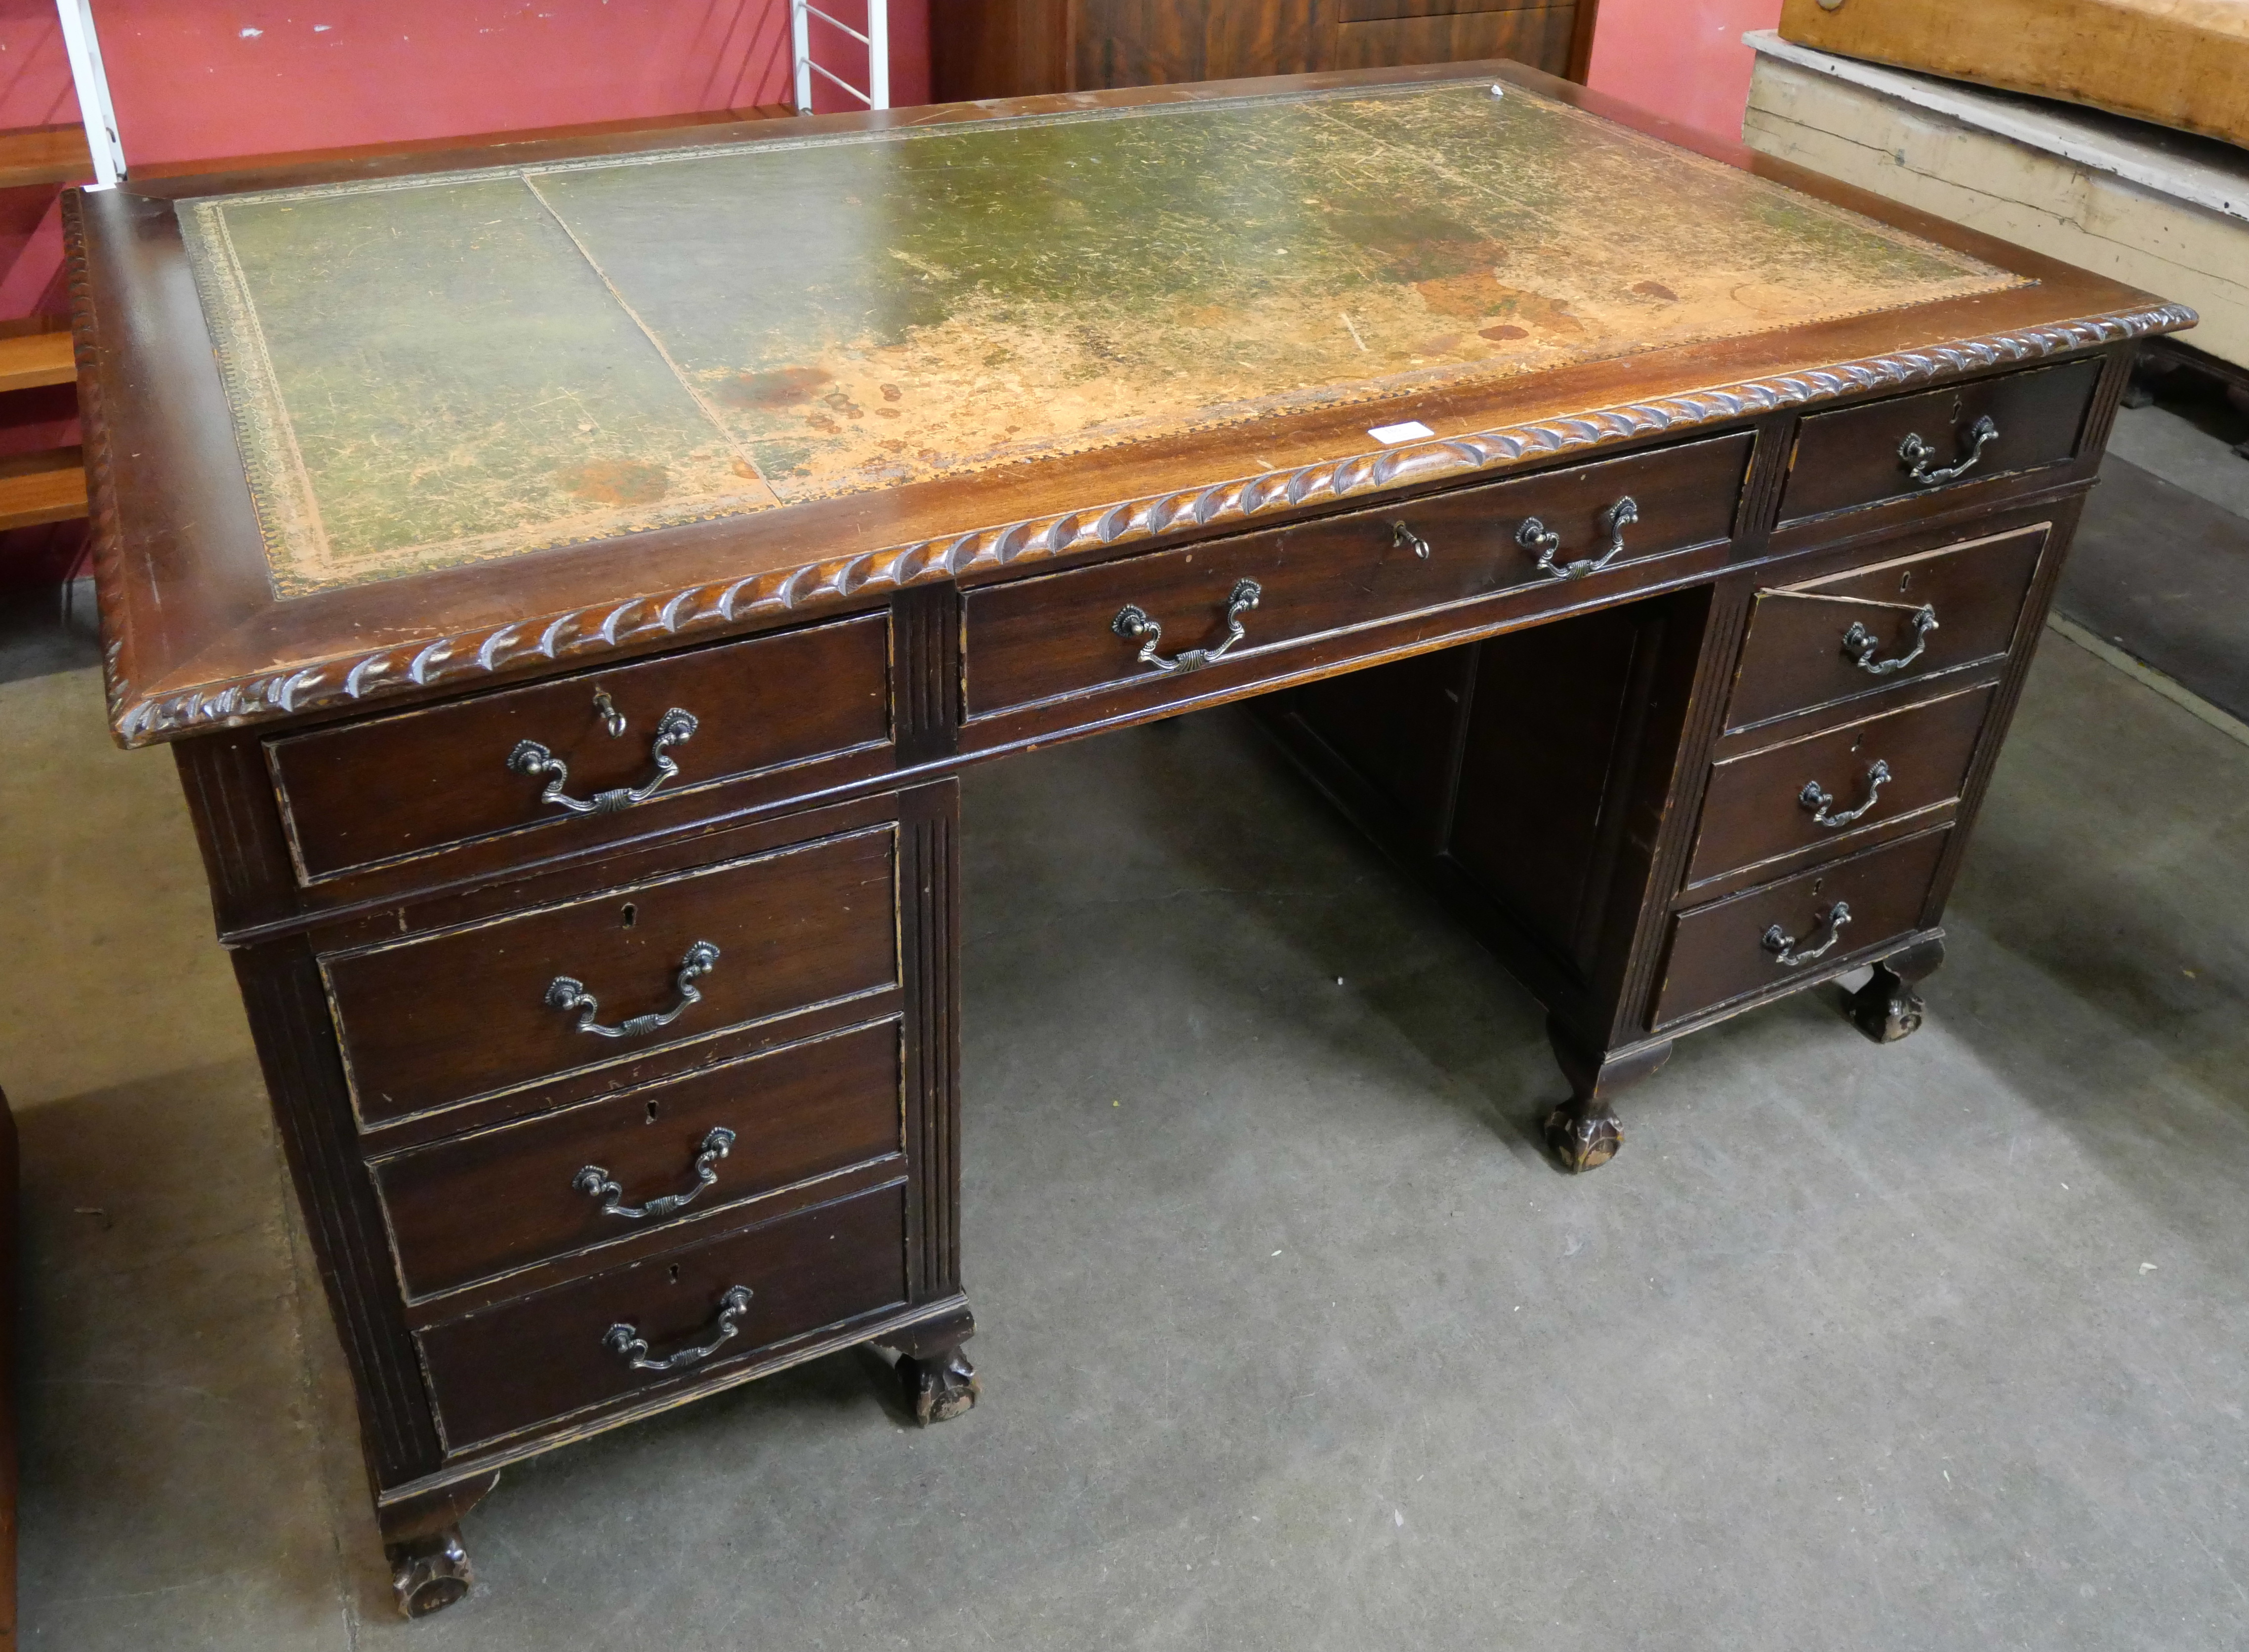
x=1050 y=637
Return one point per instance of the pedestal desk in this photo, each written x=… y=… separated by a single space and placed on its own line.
x=571 y=577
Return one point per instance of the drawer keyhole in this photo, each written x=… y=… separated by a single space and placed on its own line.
x=674 y=1271
x=652 y=1112
x=632 y=914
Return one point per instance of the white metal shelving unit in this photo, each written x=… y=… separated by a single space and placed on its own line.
x=802 y=15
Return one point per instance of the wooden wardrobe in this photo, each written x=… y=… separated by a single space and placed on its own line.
x=1015 y=48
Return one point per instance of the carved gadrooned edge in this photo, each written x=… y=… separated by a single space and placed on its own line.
x=101 y=488
x=586 y=634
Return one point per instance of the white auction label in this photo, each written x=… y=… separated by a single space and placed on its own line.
x=1391 y=435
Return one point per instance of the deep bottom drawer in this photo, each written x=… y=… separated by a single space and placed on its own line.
x=1763 y=936
x=544 y=1357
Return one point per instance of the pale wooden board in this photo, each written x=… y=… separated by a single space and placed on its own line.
x=2064 y=209
x=2182 y=63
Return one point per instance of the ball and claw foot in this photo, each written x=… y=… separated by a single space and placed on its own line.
x=1584 y=1132
x=429 y=1574
x=1583 y=1142
x=1886 y=1007
x=939 y=1386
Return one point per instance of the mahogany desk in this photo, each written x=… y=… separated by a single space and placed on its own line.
x=572 y=587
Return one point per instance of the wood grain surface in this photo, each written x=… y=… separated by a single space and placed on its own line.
x=2181 y=63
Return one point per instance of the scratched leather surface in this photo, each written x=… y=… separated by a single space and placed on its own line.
x=435 y=371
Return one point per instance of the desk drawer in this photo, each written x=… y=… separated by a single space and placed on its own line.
x=541 y=1358
x=1765 y=937
x=481 y=1205
x=1865 y=455
x=1831 y=786
x=1047 y=638
x=464 y=1012
x=366 y=793
x=1832 y=639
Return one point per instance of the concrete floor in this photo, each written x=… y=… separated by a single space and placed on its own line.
x=1293 y=1337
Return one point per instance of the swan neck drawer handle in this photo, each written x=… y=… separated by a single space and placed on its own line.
x=534 y=761
x=1816 y=798
x=568 y=995
x=627 y=1343
x=1917 y=456
x=596 y=1183
x=1534 y=535
x=1133 y=624
x=1860 y=643
x=1782 y=946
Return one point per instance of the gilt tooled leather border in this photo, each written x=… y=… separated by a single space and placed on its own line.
x=582 y=636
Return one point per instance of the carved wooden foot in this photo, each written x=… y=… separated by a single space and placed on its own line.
x=938 y=1382
x=1886 y=1007
x=1584 y=1131
x=429 y=1568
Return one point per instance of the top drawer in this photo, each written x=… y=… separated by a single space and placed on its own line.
x=1915 y=444
x=1058 y=635
x=366 y=793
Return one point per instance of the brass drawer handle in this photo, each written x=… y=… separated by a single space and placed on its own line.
x=1916 y=454
x=565 y=994
x=674 y=727
x=595 y=1182
x=1534 y=535
x=1783 y=947
x=1132 y=622
x=1815 y=797
x=1860 y=643
x=626 y=1344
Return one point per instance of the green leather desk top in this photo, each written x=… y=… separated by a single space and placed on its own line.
x=437 y=370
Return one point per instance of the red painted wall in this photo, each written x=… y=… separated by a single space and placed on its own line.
x=195 y=80
x=1683 y=59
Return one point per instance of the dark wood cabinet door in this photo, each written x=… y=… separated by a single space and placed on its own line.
x=1016 y=48
x=1416 y=33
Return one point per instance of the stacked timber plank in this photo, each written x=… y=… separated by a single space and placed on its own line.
x=2164 y=210
x=2178 y=63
